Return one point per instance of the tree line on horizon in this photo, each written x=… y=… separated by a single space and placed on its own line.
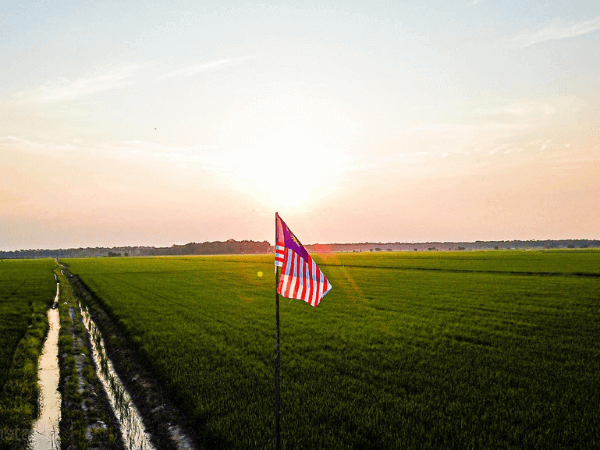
x=232 y=246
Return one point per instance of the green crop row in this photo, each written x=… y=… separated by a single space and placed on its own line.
x=397 y=358
x=519 y=261
x=27 y=289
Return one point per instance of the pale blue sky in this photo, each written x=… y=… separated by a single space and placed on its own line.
x=158 y=123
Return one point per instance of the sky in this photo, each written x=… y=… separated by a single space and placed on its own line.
x=161 y=123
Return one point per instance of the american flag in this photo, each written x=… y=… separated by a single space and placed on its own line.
x=300 y=277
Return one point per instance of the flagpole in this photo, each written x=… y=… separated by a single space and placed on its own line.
x=277 y=384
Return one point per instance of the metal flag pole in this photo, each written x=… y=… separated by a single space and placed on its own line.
x=277 y=398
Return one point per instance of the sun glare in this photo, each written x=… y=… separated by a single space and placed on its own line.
x=289 y=171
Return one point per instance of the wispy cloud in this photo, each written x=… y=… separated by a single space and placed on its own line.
x=519 y=110
x=106 y=78
x=545 y=145
x=205 y=67
x=205 y=157
x=202 y=156
x=20 y=143
x=65 y=89
x=554 y=32
x=474 y=2
x=504 y=149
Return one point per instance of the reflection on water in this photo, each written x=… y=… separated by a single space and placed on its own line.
x=132 y=429
x=45 y=431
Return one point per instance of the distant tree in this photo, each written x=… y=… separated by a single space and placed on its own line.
x=495 y=247
x=460 y=248
x=416 y=249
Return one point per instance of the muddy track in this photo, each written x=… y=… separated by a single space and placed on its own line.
x=164 y=422
x=87 y=420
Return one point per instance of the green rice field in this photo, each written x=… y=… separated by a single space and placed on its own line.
x=22 y=282
x=461 y=350
x=27 y=289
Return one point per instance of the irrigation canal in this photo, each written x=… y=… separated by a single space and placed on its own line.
x=133 y=431
x=45 y=430
x=45 y=433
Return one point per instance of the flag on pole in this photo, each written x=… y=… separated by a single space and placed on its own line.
x=300 y=277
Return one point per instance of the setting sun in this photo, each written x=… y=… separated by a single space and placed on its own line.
x=287 y=170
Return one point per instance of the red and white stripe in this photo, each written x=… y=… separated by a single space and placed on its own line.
x=279 y=255
x=302 y=280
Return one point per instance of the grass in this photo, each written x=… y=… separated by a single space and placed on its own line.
x=27 y=289
x=453 y=350
x=553 y=262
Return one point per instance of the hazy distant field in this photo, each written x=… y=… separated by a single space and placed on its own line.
x=21 y=283
x=411 y=350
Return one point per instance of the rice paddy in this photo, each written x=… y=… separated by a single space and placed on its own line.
x=27 y=289
x=409 y=350
x=21 y=283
